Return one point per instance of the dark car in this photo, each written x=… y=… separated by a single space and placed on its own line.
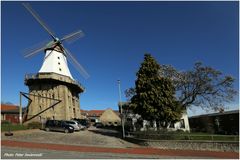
x=58 y=125
x=98 y=125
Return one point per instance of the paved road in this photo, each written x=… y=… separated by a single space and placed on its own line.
x=91 y=137
x=25 y=153
x=105 y=152
x=96 y=143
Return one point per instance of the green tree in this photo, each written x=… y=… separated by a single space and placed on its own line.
x=203 y=86
x=154 y=97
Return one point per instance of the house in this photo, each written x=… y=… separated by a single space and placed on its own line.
x=224 y=122
x=133 y=120
x=10 y=112
x=110 y=118
x=107 y=117
x=84 y=114
x=94 y=115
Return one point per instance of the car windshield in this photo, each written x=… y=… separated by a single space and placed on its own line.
x=70 y=122
x=64 y=123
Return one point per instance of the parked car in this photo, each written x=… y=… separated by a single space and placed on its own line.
x=58 y=125
x=98 y=125
x=75 y=125
x=83 y=122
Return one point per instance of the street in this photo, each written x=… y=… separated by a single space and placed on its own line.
x=93 y=144
x=53 y=154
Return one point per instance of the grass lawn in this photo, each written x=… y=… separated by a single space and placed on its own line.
x=12 y=127
x=185 y=136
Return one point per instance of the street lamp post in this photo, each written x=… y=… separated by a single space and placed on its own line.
x=20 y=109
x=121 y=111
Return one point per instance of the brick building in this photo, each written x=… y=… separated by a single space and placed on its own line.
x=10 y=112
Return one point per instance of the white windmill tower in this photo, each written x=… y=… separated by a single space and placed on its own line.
x=54 y=80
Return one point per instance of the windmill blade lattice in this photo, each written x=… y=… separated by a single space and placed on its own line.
x=77 y=65
x=35 y=49
x=73 y=36
x=40 y=21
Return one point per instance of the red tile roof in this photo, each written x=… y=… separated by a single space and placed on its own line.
x=95 y=112
x=8 y=107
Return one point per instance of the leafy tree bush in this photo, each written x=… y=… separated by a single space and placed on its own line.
x=34 y=125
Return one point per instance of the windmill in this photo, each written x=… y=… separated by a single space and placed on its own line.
x=54 y=49
x=53 y=93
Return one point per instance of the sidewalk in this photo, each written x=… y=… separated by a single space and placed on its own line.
x=143 y=150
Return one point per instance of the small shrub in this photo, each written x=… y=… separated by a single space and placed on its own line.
x=180 y=131
x=12 y=127
x=34 y=125
x=5 y=122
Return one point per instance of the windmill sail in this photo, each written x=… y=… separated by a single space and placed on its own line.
x=72 y=36
x=40 y=21
x=76 y=64
x=35 y=49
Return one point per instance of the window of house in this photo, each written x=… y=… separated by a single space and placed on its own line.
x=129 y=119
x=172 y=125
x=182 y=124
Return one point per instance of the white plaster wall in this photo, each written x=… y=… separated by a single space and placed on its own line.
x=186 y=123
x=55 y=62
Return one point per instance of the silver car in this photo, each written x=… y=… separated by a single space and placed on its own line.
x=74 y=124
x=81 y=127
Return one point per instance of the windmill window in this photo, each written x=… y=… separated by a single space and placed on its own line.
x=58 y=63
x=58 y=57
x=60 y=69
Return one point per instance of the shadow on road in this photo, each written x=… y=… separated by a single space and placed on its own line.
x=107 y=132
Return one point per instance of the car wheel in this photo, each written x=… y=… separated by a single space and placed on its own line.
x=66 y=131
x=47 y=129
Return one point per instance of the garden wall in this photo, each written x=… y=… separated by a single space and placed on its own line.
x=187 y=145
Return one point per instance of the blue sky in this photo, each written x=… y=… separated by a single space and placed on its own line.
x=117 y=34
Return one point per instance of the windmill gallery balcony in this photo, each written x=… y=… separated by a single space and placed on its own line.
x=31 y=78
